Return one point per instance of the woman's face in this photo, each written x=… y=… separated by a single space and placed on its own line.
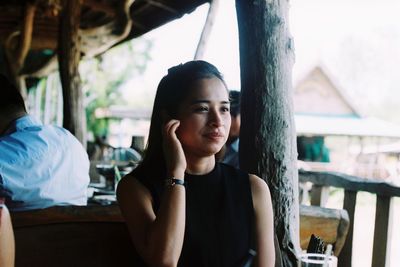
x=204 y=118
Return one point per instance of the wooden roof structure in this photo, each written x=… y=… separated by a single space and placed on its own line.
x=29 y=29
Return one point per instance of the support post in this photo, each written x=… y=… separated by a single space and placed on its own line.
x=205 y=33
x=381 y=230
x=68 y=59
x=349 y=204
x=268 y=137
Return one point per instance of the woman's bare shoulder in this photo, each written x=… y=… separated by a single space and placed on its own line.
x=257 y=183
x=130 y=187
x=260 y=191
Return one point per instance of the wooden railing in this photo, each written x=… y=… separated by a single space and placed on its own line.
x=352 y=185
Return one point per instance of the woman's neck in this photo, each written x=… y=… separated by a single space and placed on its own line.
x=200 y=166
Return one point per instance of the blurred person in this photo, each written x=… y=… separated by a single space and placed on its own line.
x=231 y=150
x=7 y=243
x=40 y=165
x=182 y=207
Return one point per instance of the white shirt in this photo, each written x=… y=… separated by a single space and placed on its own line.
x=42 y=166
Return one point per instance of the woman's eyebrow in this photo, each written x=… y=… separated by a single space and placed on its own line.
x=199 y=101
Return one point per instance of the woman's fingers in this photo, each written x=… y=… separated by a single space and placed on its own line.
x=174 y=155
x=170 y=129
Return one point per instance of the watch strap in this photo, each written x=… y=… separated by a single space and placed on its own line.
x=174 y=181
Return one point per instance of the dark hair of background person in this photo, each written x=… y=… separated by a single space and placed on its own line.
x=10 y=98
x=171 y=92
x=234 y=98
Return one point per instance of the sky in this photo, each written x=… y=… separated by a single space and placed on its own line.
x=356 y=41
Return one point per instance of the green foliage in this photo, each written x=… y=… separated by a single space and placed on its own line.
x=103 y=76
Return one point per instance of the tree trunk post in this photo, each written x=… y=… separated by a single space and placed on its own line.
x=268 y=136
x=68 y=58
x=205 y=33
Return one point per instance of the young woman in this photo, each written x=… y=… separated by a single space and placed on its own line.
x=183 y=208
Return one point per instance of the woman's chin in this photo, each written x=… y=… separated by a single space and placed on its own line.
x=212 y=151
x=205 y=152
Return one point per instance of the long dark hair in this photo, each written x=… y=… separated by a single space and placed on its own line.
x=171 y=92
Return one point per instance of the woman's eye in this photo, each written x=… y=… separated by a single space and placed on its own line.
x=201 y=109
x=225 y=109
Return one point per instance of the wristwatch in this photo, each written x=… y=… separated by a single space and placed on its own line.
x=174 y=181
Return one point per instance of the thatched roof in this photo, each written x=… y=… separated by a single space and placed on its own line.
x=103 y=24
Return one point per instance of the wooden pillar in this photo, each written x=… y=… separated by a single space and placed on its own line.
x=68 y=58
x=205 y=34
x=17 y=46
x=268 y=137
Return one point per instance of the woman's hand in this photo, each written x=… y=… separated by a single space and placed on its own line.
x=173 y=151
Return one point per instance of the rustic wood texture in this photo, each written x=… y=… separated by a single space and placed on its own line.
x=73 y=236
x=17 y=46
x=350 y=182
x=69 y=57
x=349 y=204
x=96 y=40
x=205 y=33
x=61 y=214
x=267 y=138
x=381 y=231
x=104 y=23
x=319 y=195
x=329 y=224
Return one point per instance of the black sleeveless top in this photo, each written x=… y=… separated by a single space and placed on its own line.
x=219 y=217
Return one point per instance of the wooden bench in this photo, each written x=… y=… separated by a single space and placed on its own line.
x=73 y=236
x=330 y=224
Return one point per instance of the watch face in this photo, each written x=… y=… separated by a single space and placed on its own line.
x=168 y=182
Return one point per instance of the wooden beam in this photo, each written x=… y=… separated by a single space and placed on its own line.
x=350 y=182
x=205 y=33
x=319 y=195
x=267 y=136
x=381 y=230
x=69 y=55
x=349 y=204
x=97 y=40
x=102 y=6
x=163 y=6
x=17 y=47
x=26 y=35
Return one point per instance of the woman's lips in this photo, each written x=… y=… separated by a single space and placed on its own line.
x=214 y=136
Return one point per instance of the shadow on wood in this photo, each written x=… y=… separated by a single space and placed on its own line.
x=73 y=236
x=330 y=224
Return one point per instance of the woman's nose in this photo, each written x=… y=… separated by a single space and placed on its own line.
x=216 y=118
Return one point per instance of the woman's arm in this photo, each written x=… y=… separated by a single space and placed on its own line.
x=158 y=237
x=264 y=223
